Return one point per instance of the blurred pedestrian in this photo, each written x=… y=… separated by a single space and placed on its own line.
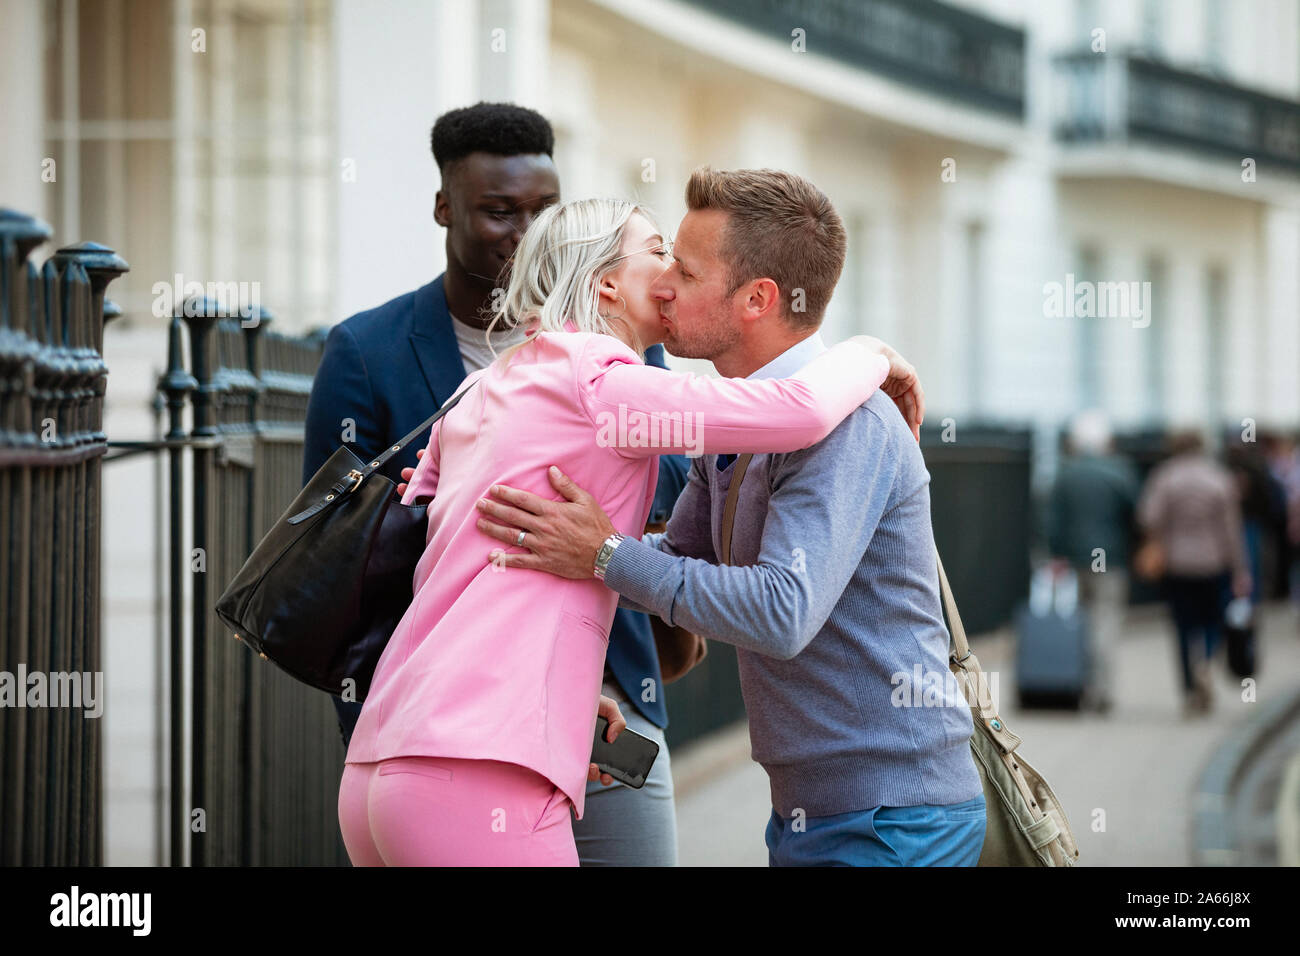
x=1284 y=463
x=1191 y=508
x=1090 y=520
x=1263 y=508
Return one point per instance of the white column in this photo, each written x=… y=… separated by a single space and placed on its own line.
x=22 y=78
x=884 y=314
x=1185 y=386
x=455 y=43
x=391 y=86
x=1029 y=354
x=1244 y=319
x=926 y=332
x=226 y=188
x=1278 y=350
x=514 y=42
x=942 y=300
x=1123 y=341
x=573 y=118
x=846 y=314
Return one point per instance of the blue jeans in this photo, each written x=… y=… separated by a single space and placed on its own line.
x=923 y=835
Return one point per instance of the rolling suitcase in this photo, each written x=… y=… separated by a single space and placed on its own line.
x=1053 y=642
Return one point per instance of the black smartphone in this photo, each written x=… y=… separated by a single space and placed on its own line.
x=628 y=759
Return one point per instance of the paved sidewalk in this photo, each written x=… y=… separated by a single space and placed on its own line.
x=1125 y=778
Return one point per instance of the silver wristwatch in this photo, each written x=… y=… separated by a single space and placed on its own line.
x=605 y=553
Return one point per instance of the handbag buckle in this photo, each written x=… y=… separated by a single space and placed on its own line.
x=357 y=478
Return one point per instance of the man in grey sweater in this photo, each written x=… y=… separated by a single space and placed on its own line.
x=830 y=593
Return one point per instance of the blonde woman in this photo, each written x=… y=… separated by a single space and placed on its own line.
x=475 y=740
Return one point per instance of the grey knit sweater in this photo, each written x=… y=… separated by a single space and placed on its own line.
x=834 y=608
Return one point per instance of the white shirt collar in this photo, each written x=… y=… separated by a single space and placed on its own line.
x=793 y=358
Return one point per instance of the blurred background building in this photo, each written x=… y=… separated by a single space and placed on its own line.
x=979 y=152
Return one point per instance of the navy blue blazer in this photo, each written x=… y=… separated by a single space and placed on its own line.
x=386 y=370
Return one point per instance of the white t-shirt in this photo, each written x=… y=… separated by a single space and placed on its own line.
x=474 y=351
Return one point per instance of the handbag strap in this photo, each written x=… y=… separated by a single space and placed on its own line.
x=960 y=656
x=960 y=645
x=353 y=479
x=729 y=509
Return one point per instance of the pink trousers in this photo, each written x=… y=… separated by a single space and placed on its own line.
x=436 y=811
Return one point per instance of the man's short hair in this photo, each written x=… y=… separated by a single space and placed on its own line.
x=500 y=128
x=779 y=226
x=1186 y=440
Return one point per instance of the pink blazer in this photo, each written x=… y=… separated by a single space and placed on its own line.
x=505 y=664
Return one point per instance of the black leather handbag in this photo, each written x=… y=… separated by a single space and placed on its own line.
x=325 y=588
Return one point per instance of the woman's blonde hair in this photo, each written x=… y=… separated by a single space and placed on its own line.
x=558 y=267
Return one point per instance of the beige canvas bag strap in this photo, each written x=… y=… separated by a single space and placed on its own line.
x=729 y=509
x=962 y=657
x=982 y=706
x=954 y=619
x=1045 y=830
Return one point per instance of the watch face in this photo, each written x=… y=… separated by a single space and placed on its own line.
x=603 y=555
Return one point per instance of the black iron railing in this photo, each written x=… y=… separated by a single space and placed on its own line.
x=1118 y=96
x=951 y=52
x=263 y=753
x=52 y=379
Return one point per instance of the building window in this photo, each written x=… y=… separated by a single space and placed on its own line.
x=109 y=129
x=196 y=137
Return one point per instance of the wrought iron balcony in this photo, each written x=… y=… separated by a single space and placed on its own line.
x=951 y=52
x=1117 y=96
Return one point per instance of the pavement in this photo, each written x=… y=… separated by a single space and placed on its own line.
x=1129 y=779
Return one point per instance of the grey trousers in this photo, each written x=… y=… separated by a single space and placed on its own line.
x=1105 y=595
x=625 y=827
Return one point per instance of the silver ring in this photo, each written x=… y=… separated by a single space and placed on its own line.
x=519 y=543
